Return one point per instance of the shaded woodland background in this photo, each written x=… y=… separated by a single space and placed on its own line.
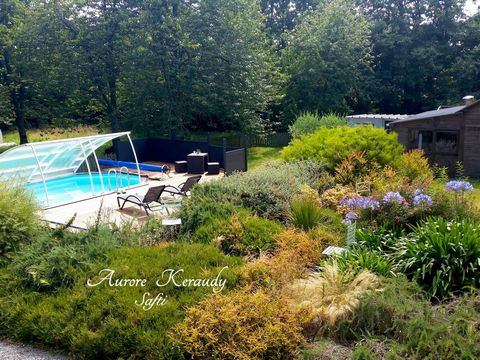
x=159 y=67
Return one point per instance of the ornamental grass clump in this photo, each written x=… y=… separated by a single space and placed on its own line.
x=306 y=214
x=443 y=256
x=330 y=296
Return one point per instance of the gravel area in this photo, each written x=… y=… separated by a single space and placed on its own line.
x=14 y=351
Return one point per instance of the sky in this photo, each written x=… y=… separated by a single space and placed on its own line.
x=471 y=6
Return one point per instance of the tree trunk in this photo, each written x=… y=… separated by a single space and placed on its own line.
x=17 y=97
x=18 y=100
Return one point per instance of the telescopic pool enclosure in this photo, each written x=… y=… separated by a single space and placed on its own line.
x=43 y=163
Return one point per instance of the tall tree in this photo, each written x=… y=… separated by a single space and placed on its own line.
x=284 y=15
x=12 y=68
x=234 y=75
x=98 y=31
x=413 y=42
x=327 y=59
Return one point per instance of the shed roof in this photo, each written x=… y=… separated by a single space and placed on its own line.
x=378 y=116
x=434 y=113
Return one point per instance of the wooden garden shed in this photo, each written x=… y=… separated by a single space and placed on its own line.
x=446 y=135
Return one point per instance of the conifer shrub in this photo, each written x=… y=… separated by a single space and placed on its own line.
x=331 y=146
x=240 y=325
x=110 y=322
x=414 y=165
x=55 y=258
x=248 y=236
x=18 y=219
x=296 y=253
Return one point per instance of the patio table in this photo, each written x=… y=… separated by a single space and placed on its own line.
x=197 y=163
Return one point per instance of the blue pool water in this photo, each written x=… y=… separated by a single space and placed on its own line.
x=76 y=187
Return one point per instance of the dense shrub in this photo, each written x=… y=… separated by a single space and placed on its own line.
x=296 y=251
x=18 y=221
x=442 y=256
x=104 y=322
x=240 y=325
x=207 y=202
x=448 y=331
x=331 y=198
x=414 y=165
x=268 y=192
x=57 y=257
x=353 y=168
x=331 y=146
x=249 y=235
x=309 y=122
x=410 y=327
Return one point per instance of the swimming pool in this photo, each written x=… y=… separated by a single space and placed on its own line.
x=77 y=187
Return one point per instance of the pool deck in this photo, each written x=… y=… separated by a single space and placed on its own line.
x=105 y=209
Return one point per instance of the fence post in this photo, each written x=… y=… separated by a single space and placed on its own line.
x=245 y=147
x=224 y=143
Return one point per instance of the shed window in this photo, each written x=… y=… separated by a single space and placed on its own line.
x=424 y=141
x=446 y=142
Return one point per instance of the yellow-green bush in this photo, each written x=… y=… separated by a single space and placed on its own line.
x=331 y=146
x=18 y=220
x=240 y=325
x=296 y=251
x=414 y=165
x=330 y=198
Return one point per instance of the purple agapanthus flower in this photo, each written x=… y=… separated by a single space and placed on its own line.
x=349 y=202
x=393 y=197
x=459 y=186
x=364 y=203
x=418 y=192
x=422 y=200
x=350 y=217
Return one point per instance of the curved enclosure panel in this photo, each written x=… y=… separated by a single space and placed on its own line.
x=56 y=158
x=40 y=166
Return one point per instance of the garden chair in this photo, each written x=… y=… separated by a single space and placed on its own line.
x=151 y=200
x=363 y=188
x=183 y=188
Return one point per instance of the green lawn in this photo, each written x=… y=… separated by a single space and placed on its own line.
x=260 y=155
x=35 y=135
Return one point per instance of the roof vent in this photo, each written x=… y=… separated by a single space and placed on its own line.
x=469 y=100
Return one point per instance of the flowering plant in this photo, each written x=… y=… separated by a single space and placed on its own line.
x=421 y=200
x=350 y=218
x=459 y=186
x=362 y=203
x=394 y=197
